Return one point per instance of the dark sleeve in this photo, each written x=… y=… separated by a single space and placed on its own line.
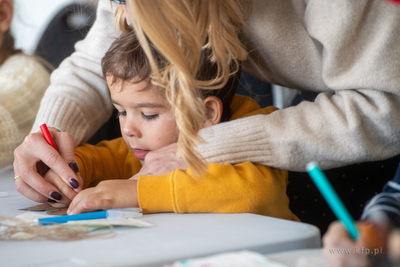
x=387 y=202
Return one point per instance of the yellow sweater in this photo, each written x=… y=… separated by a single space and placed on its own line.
x=225 y=188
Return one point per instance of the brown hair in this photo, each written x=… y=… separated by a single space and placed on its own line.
x=126 y=60
x=8 y=45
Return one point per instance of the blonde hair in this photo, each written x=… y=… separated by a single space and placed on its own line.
x=180 y=30
x=120 y=21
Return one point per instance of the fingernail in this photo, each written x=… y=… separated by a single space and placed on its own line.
x=74 y=183
x=51 y=200
x=74 y=166
x=69 y=212
x=55 y=195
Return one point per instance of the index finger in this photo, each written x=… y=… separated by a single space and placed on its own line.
x=66 y=148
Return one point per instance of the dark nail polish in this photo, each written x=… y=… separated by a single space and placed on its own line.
x=51 y=200
x=74 y=166
x=74 y=183
x=55 y=195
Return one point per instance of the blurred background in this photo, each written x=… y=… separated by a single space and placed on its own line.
x=50 y=28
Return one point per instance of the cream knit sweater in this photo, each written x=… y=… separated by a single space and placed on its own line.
x=22 y=84
x=347 y=50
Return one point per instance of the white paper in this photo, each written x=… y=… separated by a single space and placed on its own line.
x=233 y=259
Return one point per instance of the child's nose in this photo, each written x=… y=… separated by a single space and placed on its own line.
x=131 y=129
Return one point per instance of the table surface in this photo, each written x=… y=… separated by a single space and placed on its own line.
x=174 y=237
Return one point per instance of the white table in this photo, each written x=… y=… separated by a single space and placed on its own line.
x=174 y=237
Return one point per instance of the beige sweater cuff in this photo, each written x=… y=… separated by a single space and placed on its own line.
x=236 y=141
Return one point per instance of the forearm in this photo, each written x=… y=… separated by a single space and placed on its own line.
x=344 y=47
x=106 y=161
x=223 y=189
x=336 y=130
x=77 y=100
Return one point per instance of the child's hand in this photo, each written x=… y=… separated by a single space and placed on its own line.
x=162 y=161
x=336 y=243
x=340 y=250
x=111 y=194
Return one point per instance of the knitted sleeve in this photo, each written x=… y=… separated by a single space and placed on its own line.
x=347 y=51
x=78 y=100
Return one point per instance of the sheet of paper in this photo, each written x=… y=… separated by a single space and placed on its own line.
x=114 y=222
x=232 y=259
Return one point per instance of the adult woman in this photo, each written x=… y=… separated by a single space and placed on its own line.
x=347 y=50
x=23 y=81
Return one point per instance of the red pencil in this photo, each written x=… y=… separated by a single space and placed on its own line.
x=47 y=135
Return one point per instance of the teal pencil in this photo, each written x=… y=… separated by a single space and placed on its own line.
x=333 y=200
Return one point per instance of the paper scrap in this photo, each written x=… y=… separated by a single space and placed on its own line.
x=233 y=259
x=61 y=211
x=130 y=222
x=40 y=207
x=31 y=216
x=53 y=210
x=3 y=194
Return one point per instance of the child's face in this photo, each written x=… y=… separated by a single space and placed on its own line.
x=146 y=118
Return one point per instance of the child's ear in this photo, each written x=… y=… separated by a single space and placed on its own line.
x=6 y=14
x=214 y=107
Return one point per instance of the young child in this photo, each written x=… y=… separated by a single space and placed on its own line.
x=23 y=81
x=148 y=123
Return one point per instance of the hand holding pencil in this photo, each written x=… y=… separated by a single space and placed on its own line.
x=35 y=156
x=367 y=239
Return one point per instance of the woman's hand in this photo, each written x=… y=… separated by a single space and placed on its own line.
x=110 y=194
x=34 y=157
x=162 y=161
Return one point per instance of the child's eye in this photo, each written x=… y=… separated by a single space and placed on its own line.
x=149 y=117
x=121 y=113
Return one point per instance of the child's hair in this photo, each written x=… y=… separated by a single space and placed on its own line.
x=181 y=30
x=127 y=61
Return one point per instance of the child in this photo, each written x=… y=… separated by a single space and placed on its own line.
x=147 y=123
x=23 y=81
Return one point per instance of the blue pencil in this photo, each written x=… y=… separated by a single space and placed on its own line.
x=332 y=198
x=103 y=214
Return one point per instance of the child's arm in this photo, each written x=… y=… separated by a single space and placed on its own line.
x=105 y=161
x=225 y=188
